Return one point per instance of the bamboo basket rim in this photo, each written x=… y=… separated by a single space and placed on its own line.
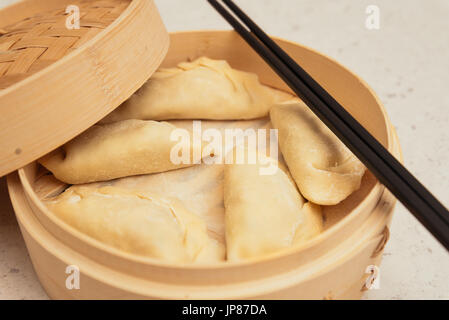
x=374 y=194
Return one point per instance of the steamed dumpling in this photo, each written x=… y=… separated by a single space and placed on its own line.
x=138 y=223
x=324 y=169
x=110 y=151
x=265 y=213
x=201 y=89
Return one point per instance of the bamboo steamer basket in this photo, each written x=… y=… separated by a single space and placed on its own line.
x=330 y=266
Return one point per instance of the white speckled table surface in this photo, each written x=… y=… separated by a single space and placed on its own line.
x=405 y=62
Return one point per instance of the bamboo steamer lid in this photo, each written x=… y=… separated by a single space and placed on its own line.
x=57 y=78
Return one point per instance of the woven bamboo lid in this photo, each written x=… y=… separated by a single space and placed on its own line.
x=58 y=77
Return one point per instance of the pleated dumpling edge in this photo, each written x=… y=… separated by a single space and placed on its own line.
x=201 y=89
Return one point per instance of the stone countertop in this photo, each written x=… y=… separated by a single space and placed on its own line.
x=405 y=61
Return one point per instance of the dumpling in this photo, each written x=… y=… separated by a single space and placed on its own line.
x=324 y=169
x=119 y=149
x=201 y=89
x=138 y=223
x=265 y=213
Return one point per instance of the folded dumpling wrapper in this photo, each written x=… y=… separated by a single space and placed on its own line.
x=265 y=213
x=138 y=222
x=199 y=187
x=120 y=149
x=201 y=89
x=324 y=169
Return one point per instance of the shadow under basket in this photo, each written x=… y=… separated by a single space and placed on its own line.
x=334 y=265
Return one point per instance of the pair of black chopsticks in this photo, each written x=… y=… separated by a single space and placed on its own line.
x=406 y=188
